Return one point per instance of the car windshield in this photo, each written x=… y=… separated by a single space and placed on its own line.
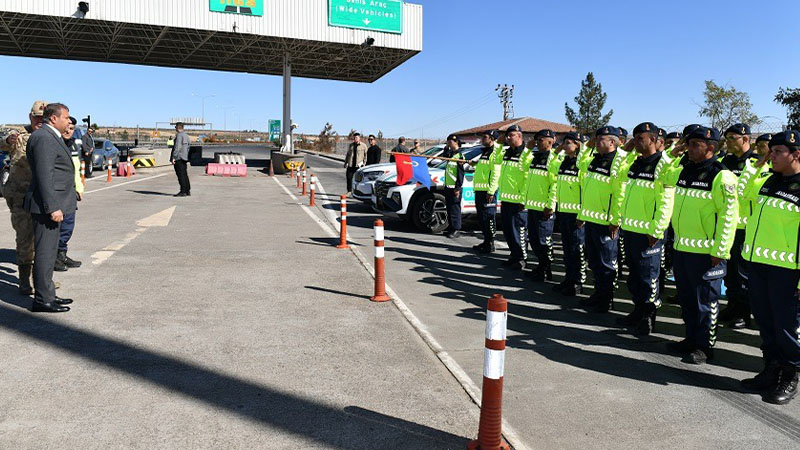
x=469 y=155
x=433 y=150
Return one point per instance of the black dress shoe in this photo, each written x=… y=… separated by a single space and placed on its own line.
x=516 y=265
x=62 y=301
x=646 y=325
x=60 y=266
x=71 y=263
x=572 y=289
x=508 y=262
x=631 y=319
x=181 y=194
x=479 y=247
x=452 y=234
x=487 y=249
x=48 y=307
x=541 y=273
x=560 y=286
x=786 y=389
x=739 y=323
x=766 y=380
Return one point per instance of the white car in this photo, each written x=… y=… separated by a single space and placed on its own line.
x=365 y=177
x=424 y=208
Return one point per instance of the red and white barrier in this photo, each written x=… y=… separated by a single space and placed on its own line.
x=380 y=269
x=490 y=430
x=312 y=190
x=343 y=224
x=226 y=170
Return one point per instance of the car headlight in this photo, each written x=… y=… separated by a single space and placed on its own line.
x=372 y=176
x=396 y=198
x=359 y=176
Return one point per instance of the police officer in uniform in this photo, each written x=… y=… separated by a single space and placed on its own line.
x=740 y=160
x=704 y=218
x=486 y=181
x=602 y=194
x=453 y=180
x=513 y=178
x=770 y=246
x=645 y=217
x=540 y=201
x=568 y=202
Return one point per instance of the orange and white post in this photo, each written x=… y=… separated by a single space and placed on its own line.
x=312 y=190
x=343 y=224
x=83 y=171
x=291 y=174
x=380 y=269
x=298 y=179
x=110 y=164
x=128 y=167
x=490 y=431
x=305 y=184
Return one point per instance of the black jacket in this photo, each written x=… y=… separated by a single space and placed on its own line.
x=52 y=185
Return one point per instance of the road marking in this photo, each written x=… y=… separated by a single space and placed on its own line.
x=452 y=366
x=160 y=219
x=307 y=210
x=127 y=182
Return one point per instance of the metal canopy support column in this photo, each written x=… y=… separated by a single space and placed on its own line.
x=287 y=104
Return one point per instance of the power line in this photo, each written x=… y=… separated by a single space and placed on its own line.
x=473 y=105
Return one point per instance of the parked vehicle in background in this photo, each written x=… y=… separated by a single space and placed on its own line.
x=103 y=150
x=364 y=178
x=6 y=171
x=424 y=208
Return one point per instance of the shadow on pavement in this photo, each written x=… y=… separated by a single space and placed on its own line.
x=349 y=428
x=334 y=291
x=165 y=194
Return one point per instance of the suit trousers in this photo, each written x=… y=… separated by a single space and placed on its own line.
x=699 y=297
x=183 y=176
x=775 y=305
x=515 y=222
x=540 y=234
x=736 y=278
x=46 y=236
x=487 y=214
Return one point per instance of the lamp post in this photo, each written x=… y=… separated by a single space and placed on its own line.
x=203 y=101
x=225 y=109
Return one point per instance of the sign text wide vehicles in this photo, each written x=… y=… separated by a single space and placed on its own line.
x=376 y=15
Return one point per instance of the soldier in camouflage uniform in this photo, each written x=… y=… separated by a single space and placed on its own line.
x=14 y=193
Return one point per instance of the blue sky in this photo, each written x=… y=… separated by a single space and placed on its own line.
x=651 y=58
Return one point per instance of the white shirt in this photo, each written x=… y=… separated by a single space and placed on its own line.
x=53 y=129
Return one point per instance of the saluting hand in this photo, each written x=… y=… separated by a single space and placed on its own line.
x=11 y=140
x=764 y=159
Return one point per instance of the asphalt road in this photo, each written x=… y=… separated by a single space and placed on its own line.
x=573 y=379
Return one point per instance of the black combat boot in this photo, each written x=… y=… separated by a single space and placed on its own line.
x=572 y=289
x=71 y=263
x=631 y=319
x=699 y=356
x=681 y=348
x=487 y=248
x=786 y=389
x=766 y=380
x=647 y=322
x=61 y=263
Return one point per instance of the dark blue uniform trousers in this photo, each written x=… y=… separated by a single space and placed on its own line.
x=736 y=278
x=774 y=301
x=644 y=266
x=452 y=198
x=540 y=234
x=601 y=252
x=67 y=227
x=487 y=213
x=515 y=221
x=572 y=239
x=698 y=296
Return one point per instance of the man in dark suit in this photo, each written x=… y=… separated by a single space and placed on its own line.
x=50 y=197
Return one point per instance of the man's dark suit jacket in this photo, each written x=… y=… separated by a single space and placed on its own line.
x=52 y=185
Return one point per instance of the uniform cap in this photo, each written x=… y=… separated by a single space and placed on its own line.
x=492 y=134
x=607 y=131
x=738 y=128
x=662 y=133
x=38 y=108
x=573 y=136
x=706 y=133
x=674 y=135
x=453 y=137
x=645 y=127
x=623 y=132
x=690 y=128
x=789 y=138
x=764 y=138
x=545 y=133
x=514 y=128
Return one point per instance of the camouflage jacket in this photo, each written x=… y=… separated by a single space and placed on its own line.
x=20 y=176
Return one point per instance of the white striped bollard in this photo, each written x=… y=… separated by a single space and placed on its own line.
x=343 y=224
x=380 y=269
x=490 y=430
x=298 y=179
x=312 y=189
x=83 y=171
x=305 y=183
x=110 y=164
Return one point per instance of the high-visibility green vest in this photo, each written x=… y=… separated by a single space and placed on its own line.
x=706 y=208
x=602 y=187
x=648 y=202
x=540 y=193
x=487 y=170
x=772 y=235
x=451 y=170
x=568 y=185
x=513 y=175
x=743 y=168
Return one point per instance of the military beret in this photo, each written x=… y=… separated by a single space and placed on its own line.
x=689 y=128
x=573 y=136
x=545 y=133
x=706 y=133
x=513 y=128
x=607 y=131
x=674 y=135
x=738 y=128
x=764 y=138
x=492 y=134
x=73 y=120
x=645 y=127
x=789 y=138
x=623 y=131
x=453 y=137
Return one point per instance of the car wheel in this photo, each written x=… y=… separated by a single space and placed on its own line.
x=429 y=213
x=103 y=165
x=90 y=166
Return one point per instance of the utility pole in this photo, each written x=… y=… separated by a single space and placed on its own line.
x=506 y=95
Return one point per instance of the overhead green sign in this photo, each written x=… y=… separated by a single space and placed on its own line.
x=376 y=15
x=274 y=130
x=245 y=7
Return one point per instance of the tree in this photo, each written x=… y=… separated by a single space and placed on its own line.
x=790 y=98
x=326 y=142
x=590 y=101
x=726 y=106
